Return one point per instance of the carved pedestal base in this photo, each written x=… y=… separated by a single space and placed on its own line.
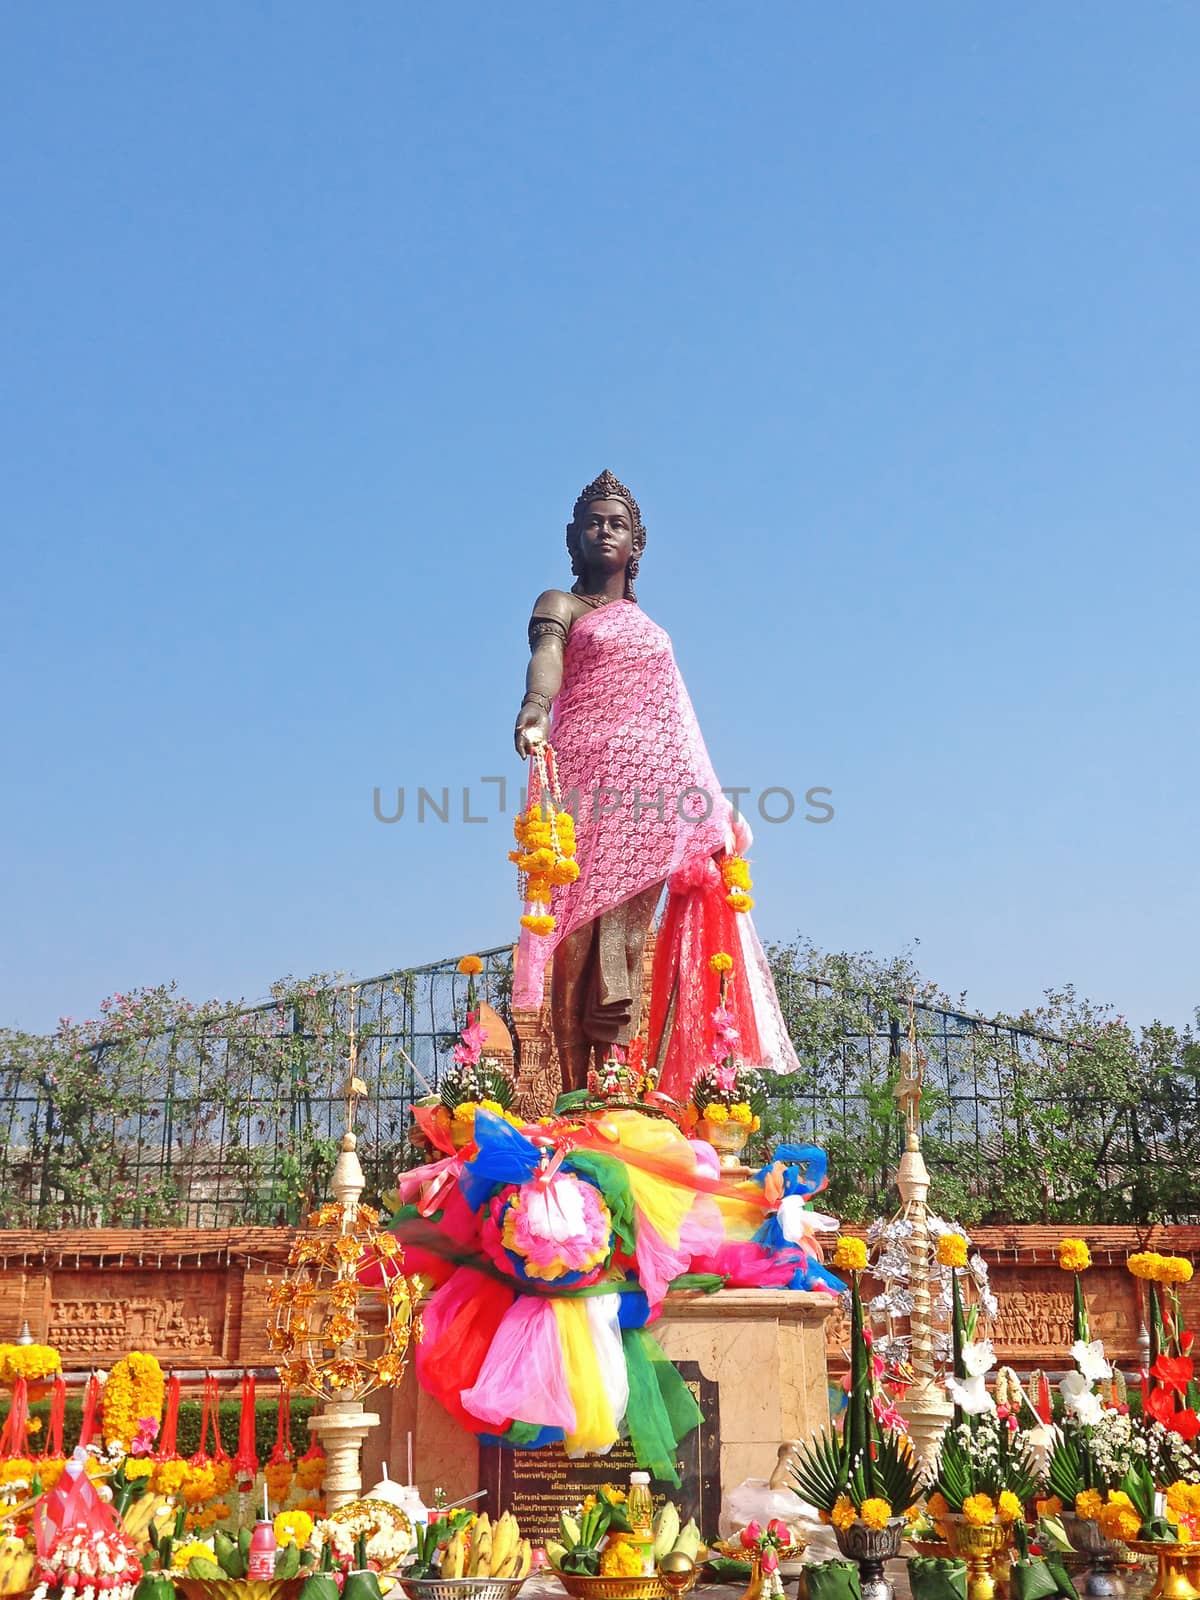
x=342 y=1427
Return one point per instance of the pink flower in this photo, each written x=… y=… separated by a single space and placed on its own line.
x=469 y=1051
x=143 y=1439
x=779 y=1530
x=750 y=1535
x=770 y=1561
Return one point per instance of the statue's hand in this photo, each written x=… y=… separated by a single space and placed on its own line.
x=533 y=727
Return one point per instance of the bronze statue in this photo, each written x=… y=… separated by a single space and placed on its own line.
x=648 y=810
x=596 y=981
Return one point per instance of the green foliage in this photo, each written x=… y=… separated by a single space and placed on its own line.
x=1063 y=1114
x=821 y=1471
x=158 y=1112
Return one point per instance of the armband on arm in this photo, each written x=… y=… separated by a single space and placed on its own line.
x=546 y=627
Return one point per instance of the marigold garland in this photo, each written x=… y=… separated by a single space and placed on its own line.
x=29 y=1361
x=843 y=1515
x=1074 y=1255
x=1155 y=1268
x=979 y=1510
x=470 y=965
x=875 y=1512
x=135 y=1389
x=621 y=1559
x=1009 y=1507
x=721 y=962
x=545 y=836
x=293 y=1527
x=310 y=1469
x=1088 y=1504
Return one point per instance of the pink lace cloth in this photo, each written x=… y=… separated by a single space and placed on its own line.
x=634 y=770
x=625 y=734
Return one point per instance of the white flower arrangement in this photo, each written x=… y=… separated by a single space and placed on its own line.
x=91 y=1566
x=388 y=1537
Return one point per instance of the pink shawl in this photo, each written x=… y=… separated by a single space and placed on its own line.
x=633 y=769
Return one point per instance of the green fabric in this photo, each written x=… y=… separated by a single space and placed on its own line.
x=938 y=1577
x=833 y=1580
x=661 y=1410
x=612 y=1179
x=520 y=1433
x=650 y=1432
x=679 y=1400
x=705 y=1282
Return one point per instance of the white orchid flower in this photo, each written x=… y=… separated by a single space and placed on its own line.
x=979 y=1357
x=971 y=1395
x=1089 y=1358
x=1079 y=1400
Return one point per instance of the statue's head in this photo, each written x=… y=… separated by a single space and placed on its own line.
x=606 y=526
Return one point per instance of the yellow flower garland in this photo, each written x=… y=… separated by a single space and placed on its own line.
x=952 y=1250
x=29 y=1361
x=135 y=1389
x=293 y=1527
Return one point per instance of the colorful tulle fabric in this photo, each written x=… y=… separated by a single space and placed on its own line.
x=550 y=1251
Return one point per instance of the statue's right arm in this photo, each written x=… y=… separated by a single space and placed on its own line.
x=548 y=629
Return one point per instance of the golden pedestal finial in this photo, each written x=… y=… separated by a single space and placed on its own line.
x=345 y=1314
x=926 y=1407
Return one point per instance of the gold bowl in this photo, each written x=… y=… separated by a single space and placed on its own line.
x=239 y=1588
x=615 y=1588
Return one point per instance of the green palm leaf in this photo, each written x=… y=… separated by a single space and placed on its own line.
x=821 y=1470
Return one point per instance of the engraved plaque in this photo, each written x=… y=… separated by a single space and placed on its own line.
x=535 y=1485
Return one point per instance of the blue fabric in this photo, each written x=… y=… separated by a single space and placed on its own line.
x=806 y=1165
x=504 y=1155
x=534 y=1442
x=634 y=1309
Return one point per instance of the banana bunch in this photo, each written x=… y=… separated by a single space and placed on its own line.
x=144 y=1513
x=511 y=1555
x=498 y=1552
x=16 y=1565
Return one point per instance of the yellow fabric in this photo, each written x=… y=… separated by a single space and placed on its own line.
x=742 y=1218
x=663 y=1204
x=595 y=1427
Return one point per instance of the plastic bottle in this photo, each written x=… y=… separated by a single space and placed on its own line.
x=639 y=1508
x=262 y=1551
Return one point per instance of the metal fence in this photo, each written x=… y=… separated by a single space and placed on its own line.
x=235 y=1119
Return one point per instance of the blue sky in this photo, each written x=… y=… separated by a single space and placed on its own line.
x=317 y=318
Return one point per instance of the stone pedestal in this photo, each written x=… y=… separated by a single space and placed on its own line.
x=764 y=1348
x=342 y=1427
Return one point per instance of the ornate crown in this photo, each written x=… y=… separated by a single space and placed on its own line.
x=606 y=487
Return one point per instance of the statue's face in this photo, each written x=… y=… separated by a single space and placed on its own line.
x=606 y=536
